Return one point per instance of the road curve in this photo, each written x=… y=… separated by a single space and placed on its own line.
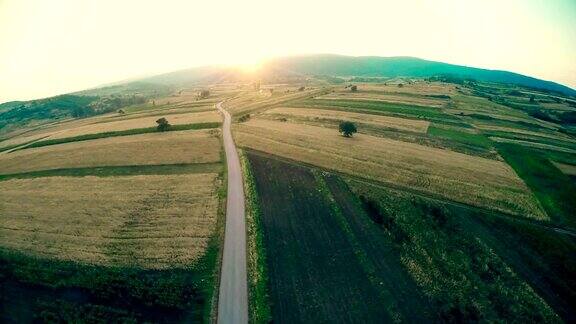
x=233 y=294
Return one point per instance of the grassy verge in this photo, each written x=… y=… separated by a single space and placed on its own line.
x=553 y=189
x=111 y=171
x=258 y=303
x=128 y=132
x=48 y=290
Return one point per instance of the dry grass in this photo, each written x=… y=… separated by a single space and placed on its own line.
x=412 y=125
x=143 y=122
x=567 y=169
x=201 y=146
x=385 y=97
x=468 y=179
x=147 y=221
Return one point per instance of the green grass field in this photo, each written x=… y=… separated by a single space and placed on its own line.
x=554 y=190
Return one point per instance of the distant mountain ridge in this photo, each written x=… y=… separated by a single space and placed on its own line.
x=375 y=66
x=359 y=66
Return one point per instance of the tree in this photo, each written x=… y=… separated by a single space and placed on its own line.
x=204 y=94
x=301 y=88
x=400 y=85
x=347 y=128
x=354 y=88
x=532 y=99
x=163 y=124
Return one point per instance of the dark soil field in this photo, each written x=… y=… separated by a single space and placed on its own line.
x=314 y=273
x=405 y=257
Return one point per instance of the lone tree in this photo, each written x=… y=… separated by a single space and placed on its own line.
x=163 y=124
x=532 y=99
x=347 y=128
x=204 y=94
x=353 y=88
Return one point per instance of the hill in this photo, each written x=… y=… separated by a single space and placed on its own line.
x=374 y=66
x=361 y=66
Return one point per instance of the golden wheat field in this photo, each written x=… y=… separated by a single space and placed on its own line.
x=197 y=146
x=31 y=133
x=411 y=125
x=460 y=177
x=143 y=122
x=146 y=221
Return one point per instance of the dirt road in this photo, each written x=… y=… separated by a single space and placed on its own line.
x=233 y=295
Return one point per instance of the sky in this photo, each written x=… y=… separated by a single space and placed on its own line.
x=58 y=46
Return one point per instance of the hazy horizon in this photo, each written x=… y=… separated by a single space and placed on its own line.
x=64 y=46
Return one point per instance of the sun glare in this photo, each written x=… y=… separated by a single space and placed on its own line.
x=250 y=67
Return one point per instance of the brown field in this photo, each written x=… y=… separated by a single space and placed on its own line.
x=148 y=221
x=385 y=97
x=198 y=146
x=460 y=177
x=143 y=122
x=411 y=125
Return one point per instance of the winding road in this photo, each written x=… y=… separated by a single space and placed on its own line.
x=233 y=294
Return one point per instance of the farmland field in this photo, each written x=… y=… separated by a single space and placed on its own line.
x=142 y=122
x=145 y=221
x=106 y=219
x=478 y=181
x=325 y=115
x=392 y=250
x=201 y=146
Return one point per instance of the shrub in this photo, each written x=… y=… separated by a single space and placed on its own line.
x=244 y=118
x=353 y=88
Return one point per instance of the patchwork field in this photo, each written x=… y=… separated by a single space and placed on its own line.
x=147 y=149
x=455 y=176
x=375 y=95
x=393 y=256
x=142 y=122
x=331 y=116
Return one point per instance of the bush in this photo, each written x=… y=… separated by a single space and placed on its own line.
x=244 y=118
x=541 y=115
x=347 y=128
x=163 y=124
x=353 y=88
